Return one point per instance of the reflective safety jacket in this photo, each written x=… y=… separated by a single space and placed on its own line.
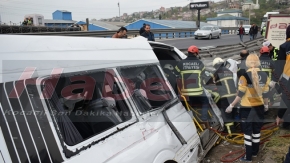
x=282 y=65
x=274 y=54
x=225 y=82
x=247 y=92
x=267 y=65
x=263 y=32
x=191 y=72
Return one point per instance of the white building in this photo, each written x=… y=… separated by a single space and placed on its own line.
x=249 y=4
x=228 y=18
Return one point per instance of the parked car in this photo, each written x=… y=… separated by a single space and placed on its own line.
x=208 y=32
x=247 y=29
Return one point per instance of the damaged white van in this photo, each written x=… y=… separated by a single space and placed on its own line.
x=93 y=100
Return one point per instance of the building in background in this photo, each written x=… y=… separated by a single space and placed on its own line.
x=228 y=18
x=60 y=18
x=95 y=25
x=164 y=24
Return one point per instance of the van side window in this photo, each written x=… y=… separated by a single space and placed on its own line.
x=147 y=86
x=86 y=105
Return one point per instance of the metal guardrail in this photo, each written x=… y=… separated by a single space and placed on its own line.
x=159 y=33
x=225 y=51
x=4 y=29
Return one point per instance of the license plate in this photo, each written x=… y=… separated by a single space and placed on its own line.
x=199 y=34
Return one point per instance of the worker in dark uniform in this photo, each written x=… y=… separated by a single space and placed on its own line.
x=191 y=71
x=253 y=90
x=267 y=65
x=226 y=88
x=282 y=69
x=273 y=50
x=242 y=66
x=169 y=73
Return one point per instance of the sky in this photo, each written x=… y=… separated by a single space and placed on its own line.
x=14 y=10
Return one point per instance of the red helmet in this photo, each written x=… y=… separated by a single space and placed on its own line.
x=264 y=49
x=193 y=49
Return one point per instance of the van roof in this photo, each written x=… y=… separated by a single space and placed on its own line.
x=70 y=53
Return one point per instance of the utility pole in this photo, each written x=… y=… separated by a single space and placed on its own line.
x=119 y=11
x=249 y=14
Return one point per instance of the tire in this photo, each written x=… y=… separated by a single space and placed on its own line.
x=219 y=36
x=209 y=37
x=196 y=38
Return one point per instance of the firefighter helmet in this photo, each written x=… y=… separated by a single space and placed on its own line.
x=217 y=61
x=169 y=67
x=193 y=49
x=264 y=49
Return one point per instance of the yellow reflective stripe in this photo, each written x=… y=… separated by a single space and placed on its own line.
x=228 y=95
x=191 y=93
x=268 y=70
x=227 y=78
x=177 y=69
x=192 y=89
x=191 y=72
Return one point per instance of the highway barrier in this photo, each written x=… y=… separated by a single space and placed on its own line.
x=158 y=33
x=5 y=29
x=229 y=50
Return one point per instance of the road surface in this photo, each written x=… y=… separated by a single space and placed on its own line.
x=184 y=43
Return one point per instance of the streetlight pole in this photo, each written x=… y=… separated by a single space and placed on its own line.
x=249 y=13
x=119 y=12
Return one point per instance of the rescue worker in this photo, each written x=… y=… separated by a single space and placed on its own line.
x=282 y=68
x=273 y=50
x=191 y=72
x=252 y=91
x=169 y=73
x=242 y=66
x=267 y=65
x=225 y=86
x=263 y=31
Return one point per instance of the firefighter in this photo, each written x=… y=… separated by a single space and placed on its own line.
x=253 y=89
x=267 y=65
x=169 y=73
x=282 y=69
x=226 y=87
x=273 y=50
x=224 y=80
x=191 y=71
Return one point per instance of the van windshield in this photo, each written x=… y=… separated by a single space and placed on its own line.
x=147 y=86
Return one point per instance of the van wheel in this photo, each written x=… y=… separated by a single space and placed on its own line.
x=209 y=37
x=170 y=161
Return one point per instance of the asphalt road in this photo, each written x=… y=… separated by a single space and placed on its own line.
x=184 y=43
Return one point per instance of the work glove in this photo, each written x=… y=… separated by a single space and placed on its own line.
x=266 y=107
x=272 y=84
x=229 y=108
